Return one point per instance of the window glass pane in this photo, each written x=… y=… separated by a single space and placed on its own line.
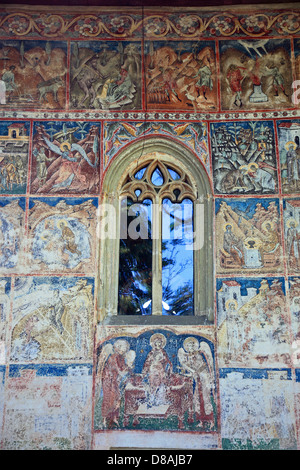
x=174 y=175
x=177 y=258
x=135 y=269
x=140 y=173
x=157 y=178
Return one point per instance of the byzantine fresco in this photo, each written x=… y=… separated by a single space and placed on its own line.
x=288 y=142
x=52 y=393
x=244 y=157
x=291 y=217
x=294 y=298
x=296 y=43
x=257 y=409
x=11 y=232
x=181 y=75
x=117 y=134
x=62 y=234
x=256 y=74
x=221 y=84
x=14 y=146
x=33 y=74
x=156 y=380
x=65 y=158
x=5 y=287
x=2 y=398
x=248 y=236
x=52 y=319
x=253 y=326
x=105 y=75
x=297 y=394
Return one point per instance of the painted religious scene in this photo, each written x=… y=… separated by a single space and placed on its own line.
x=12 y=213
x=243 y=157
x=291 y=211
x=14 y=147
x=248 y=236
x=156 y=380
x=257 y=409
x=56 y=325
x=256 y=74
x=33 y=74
x=5 y=288
x=296 y=43
x=52 y=393
x=181 y=75
x=289 y=151
x=65 y=158
x=105 y=75
x=149 y=227
x=252 y=317
x=61 y=234
x=294 y=294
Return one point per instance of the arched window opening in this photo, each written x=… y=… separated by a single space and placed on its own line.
x=158 y=264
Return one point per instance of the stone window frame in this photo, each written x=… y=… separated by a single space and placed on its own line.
x=133 y=155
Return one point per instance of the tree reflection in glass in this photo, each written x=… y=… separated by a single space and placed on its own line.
x=135 y=270
x=177 y=258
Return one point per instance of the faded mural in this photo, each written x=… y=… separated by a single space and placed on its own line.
x=156 y=381
x=77 y=89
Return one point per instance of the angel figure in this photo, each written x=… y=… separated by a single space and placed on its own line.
x=114 y=366
x=196 y=361
x=72 y=156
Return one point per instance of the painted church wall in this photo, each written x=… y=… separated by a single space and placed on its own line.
x=76 y=90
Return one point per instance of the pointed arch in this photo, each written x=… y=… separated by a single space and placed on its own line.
x=176 y=155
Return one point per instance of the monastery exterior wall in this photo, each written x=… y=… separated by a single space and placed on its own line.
x=77 y=89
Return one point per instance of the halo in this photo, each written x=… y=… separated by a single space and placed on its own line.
x=158 y=336
x=121 y=342
x=226 y=225
x=287 y=145
x=45 y=235
x=263 y=225
x=289 y=221
x=230 y=301
x=61 y=223
x=243 y=167
x=63 y=144
x=251 y=165
x=191 y=339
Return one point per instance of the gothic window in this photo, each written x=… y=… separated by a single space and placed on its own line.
x=156 y=256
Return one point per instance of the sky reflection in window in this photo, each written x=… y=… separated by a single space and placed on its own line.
x=135 y=272
x=177 y=259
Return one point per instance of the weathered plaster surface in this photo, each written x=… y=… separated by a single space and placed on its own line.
x=83 y=89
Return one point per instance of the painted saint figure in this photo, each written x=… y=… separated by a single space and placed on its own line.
x=292 y=163
x=114 y=366
x=196 y=361
x=8 y=78
x=233 y=245
x=70 y=164
x=293 y=244
x=277 y=78
x=41 y=159
x=235 y=78
x=156 y=371
x=204 y=82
